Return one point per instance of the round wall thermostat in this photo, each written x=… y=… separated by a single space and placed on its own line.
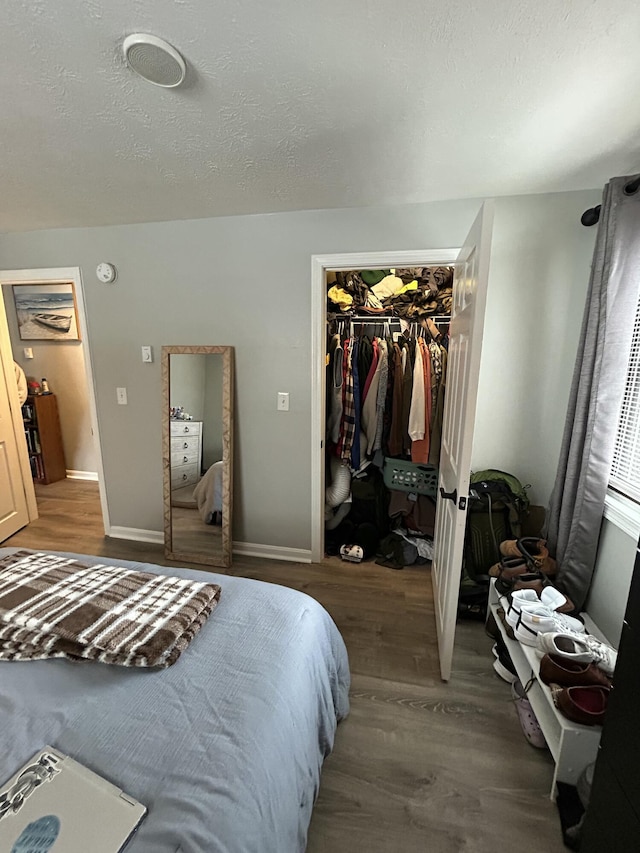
x=106 y=273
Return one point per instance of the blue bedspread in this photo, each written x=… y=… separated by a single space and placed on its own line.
x=225 y=748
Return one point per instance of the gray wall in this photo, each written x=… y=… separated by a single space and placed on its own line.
x=212 y=430
x=540 y=263
x=610 y=588
x=187 y=383
x=62 y=363
x=245 y=281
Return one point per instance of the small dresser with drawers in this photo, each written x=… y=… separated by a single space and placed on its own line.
x=186 y=453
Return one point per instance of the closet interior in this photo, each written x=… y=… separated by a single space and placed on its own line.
x=387 y=338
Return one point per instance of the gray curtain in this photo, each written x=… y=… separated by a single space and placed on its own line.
x=574 y=515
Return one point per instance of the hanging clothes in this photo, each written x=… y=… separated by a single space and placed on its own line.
x=382 y=394
x=363 y=363
x=395 y=433
x=370 y=406
x=348 y=424
x=435 y=351
x=420 y=447
x=436 y=426
x=386 y=398
x=372 y=370
x=408 y=359
x=417 y=408
x=355 y=445
x=334 y=382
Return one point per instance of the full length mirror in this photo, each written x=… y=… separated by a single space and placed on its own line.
x=197 y=453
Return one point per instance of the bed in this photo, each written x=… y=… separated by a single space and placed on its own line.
x=225 y=747
x=208 y=493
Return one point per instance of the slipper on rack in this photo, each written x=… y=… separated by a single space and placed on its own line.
x=528 y=720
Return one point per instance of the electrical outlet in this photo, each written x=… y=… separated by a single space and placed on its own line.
x=283 y=401
x=121 y=396
x=147 y=355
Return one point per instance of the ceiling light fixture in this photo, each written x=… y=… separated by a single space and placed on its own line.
x=154 y=59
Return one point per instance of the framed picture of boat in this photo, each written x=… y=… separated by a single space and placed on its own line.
x=46 y=312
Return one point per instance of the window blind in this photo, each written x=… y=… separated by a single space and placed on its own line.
x=625 y=470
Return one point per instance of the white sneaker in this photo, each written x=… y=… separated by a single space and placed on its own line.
x=519 y=599
x=604 y=657
x=539 y=619
x=552 y=598
x=582 y=648
x=567 y=645
x=504 y=673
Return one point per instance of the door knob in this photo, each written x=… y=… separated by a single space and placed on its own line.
x=449 y=496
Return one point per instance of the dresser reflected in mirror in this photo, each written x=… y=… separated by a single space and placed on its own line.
x=197 y=388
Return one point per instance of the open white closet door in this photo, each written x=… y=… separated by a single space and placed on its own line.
x=463 y=368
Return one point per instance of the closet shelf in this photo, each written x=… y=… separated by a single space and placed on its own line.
x=572 y=746
x=386 y=318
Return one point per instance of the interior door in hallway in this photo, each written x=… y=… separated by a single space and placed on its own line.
x=13 y=504
x=465 y=346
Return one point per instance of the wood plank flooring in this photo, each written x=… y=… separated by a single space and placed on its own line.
x=419 y=765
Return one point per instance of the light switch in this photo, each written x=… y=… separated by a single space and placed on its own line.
x=121 y=396
x=283 y=401
x=28 y=352
x=147 y=355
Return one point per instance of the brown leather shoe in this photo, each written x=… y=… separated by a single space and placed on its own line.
x=584 y=705
x=534 y=582
x=505 y=585
x=532 y=550
x=510 y=565
x=555 y=669
x=526 y=546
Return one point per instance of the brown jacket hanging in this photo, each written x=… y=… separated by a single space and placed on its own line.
x=395 y=435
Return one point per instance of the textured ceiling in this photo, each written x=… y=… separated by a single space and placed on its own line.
x=298 y=104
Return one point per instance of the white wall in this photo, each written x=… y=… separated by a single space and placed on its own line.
x=245 y=281
x=62 y=363
x=609 y=591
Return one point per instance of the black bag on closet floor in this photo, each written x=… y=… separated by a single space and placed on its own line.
x=368 y=519
x=347 y=533
x=370 y=501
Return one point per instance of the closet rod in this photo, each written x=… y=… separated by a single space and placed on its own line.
x=388 y=318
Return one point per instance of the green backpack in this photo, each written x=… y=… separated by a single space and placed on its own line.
x=497 y=503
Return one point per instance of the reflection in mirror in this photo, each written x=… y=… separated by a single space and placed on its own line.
x=197 y=389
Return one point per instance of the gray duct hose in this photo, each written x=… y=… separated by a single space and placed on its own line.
x=339 y=489
x=340 y=514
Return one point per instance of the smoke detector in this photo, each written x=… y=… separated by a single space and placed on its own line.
x=154 y=59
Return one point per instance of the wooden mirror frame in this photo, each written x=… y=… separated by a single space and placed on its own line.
x=227 y=454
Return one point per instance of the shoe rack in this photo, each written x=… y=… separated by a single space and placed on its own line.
x=572 y=746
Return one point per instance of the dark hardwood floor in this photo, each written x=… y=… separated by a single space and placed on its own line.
x=419 y=765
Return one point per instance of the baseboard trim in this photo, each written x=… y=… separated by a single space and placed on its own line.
x=137 y=534
x=242 y=549
x=272 y=552
x=82 y=475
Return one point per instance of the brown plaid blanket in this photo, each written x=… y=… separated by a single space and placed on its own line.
x=57 y=607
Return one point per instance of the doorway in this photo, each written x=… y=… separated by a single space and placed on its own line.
x=321 y=265
x=471 y=274
x=72 y=359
